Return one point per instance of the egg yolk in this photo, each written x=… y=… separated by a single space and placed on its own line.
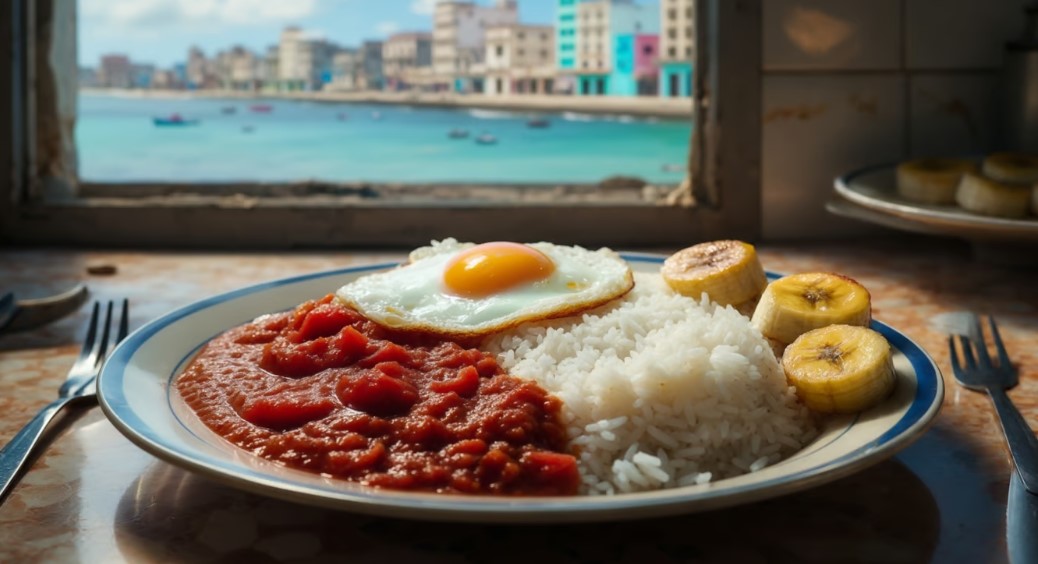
x=492 y=268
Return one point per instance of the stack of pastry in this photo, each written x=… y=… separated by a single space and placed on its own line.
x=1006 y=185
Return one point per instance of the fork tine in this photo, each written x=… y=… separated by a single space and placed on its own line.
x=977 y=333
x=124 y=322
x=967 y=352
x=103 y=348
x=91 y=336
x=1003 y=356
x=956 y=367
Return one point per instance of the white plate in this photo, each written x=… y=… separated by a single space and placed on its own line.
x=137 y=396
x=875 y=188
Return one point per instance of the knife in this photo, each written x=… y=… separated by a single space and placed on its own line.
x=7 y=309
x=1021 y=523
x=33 y=313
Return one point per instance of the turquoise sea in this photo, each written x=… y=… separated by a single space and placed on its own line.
x=117 y=141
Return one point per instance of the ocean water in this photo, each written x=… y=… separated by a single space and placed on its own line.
x=117 y=141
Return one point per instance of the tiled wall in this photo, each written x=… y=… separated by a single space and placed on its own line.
x=849 y=83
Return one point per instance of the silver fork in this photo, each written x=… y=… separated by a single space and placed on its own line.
x=977 y=371
x=79 y=387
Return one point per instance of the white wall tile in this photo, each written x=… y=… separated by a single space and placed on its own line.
x=953 y=114
x=817 y=127
x=828 y=35
x=945 y=34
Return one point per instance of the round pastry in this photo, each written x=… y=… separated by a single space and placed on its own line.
x=991 y=197
x=932 y=181
x=1014 y=168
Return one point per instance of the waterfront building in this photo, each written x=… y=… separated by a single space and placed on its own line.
x=677 y=47
x=402 y=55
x=346 y=69
x=201 y=72
x=141 y=75
x=164 y=79
x=373 y=77
x=607 y=34
x=459 y=35
x=519 y=59
x=566 y=44
x=242 y=68
x=114 y=71
x=267 y=72
x=304 y=61
x=179 y=71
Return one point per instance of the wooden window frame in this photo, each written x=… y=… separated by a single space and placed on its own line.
x=720 y=198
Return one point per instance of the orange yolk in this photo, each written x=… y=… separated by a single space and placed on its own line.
x=492 y=268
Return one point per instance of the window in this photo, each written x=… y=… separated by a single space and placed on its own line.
x=289 y=211
x=500 y=51
x=647 y=49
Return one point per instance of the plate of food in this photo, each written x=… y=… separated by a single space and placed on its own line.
x=994 y=198
x=507 y=382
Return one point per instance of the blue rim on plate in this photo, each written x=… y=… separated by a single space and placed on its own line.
x=134 y=391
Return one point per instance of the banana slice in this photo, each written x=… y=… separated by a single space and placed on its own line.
x=796 y=304
x=727 y=271
x=1014 y=168
x=840 y=368
x=992 y=197
x=932 y=181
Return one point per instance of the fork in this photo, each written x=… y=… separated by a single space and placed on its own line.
x=79 y=387
x=978 y=372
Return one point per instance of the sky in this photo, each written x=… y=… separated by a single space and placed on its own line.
x=160 y=31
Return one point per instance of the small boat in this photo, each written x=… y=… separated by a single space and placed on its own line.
x=228 y=110
x=538 y=123
x=486 y=139
x=458 y=133
x=262 y=108
x=376 y=115
x=343 y=116
x=174 y=119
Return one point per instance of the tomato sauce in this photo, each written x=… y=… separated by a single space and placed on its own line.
x=325 y=389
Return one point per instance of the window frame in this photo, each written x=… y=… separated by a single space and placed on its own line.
x=723 y=180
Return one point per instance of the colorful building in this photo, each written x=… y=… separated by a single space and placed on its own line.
x=566 y=43
x=609 y=36
x=677 y=47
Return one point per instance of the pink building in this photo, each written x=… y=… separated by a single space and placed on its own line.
x=646 y=63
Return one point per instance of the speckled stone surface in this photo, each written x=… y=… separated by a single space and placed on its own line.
x=95 y=497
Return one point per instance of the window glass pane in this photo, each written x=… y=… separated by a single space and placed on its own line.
x=412 y=91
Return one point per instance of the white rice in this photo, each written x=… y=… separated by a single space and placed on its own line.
x=660 y=390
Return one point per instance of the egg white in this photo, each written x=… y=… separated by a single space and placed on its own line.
x=414 y=297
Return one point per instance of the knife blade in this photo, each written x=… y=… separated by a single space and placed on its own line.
x=32 y=313
x=1021 y=523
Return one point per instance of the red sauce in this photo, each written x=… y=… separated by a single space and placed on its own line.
x=325 y=389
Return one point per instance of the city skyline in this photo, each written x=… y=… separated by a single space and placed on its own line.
x=159 y=32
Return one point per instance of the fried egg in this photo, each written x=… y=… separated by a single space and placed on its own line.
x=467 y=290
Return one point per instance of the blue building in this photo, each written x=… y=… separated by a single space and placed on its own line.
x=675 y=79
x=609 y=36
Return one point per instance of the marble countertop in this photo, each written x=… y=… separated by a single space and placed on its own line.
x=95 y=497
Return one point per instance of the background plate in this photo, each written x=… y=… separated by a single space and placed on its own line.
x=875 y=189
x=136 y=394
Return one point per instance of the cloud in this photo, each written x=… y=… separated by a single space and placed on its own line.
x=423 y=7
x=136 y=14
x=387 y=28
